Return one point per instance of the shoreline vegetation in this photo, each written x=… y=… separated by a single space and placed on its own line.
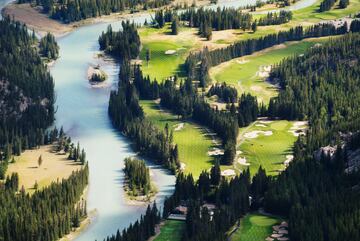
x=138 y=186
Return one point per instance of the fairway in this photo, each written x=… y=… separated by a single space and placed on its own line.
x=171 y=231
x=267 y=143
x=192 y=140
x=254 y=227
x=158 y=41
x=248 y=73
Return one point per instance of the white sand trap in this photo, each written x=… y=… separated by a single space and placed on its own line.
x=289 y=159
x=256 y=88
x=283 y=224
x=283 y=231
x=298 y=128
x=182 y=166
x=216 y=152
x=260 y=125
x=276 y=228
x=170 y=52
x=238 y=152
x=269 y=239
x=263 y=74
x=264 y=121
x=242 y=61
x=255 y=134
x=228 y=172
x=275 y=235
x=179 y=127
x=242 y=161
x=283 y=239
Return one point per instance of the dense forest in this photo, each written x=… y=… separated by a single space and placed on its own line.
x=48 y=47
x=26 y=92
x=121 y=44
x=76 y=10
x=141 y=230
x=48 y=214
x=137 y=176
x=127 y=115
x=320 y=193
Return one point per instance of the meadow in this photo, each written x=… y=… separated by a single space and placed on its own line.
x=171 y=231
x=254 y=227
x=192 y=140
x=269 y=147
x=53 y=167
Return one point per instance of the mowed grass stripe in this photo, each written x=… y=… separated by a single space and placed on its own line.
x=267 y=151
x=192 y=140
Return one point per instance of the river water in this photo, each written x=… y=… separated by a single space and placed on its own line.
x=82 y=111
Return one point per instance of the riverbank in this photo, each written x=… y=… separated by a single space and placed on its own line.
x=42 y=23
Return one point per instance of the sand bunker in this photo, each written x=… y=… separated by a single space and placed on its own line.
x=269 y=239
x=260 y=125
x=298 y=128
x=170 y=52
x=238 y=152
x=228 y=172
x=289 y=159
x=264 y=71
x=216 y=152
x=179 y=127
x=182 y=166
x=242 y=161
x=255 y=134
x=242 y=61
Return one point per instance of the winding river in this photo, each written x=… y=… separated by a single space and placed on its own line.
x=82 y=111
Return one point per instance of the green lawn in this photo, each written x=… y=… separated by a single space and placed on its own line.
x=255 y=227
x=161 y=65
x=192 y=140
x=245 y=73
x=268 y=151
x=171 y=231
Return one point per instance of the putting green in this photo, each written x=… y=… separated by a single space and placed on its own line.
x=171 y=231
x=248 y=73
x=255 y=227
x=266 y=143
x=193 y=141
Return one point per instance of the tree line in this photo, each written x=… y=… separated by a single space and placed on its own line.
x=137 y=176
x=48 y=47
x=76 y=10
x=121 y=44
x=26 y=92
x=247 y=47
x=141 y=230
x=48 y=214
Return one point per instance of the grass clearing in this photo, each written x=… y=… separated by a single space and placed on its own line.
x=255 y=227
x=53 y=168
x=192 y=140
x=248 y=73
x=268 y=150
x=171 y=231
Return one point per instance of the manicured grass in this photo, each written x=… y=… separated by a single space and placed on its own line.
x=171 y=231
x=245 y=73
x=268 y=151
x=158 y=41
x=192 y=140
x=255 y=227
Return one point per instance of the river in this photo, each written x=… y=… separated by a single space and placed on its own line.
x=82 y=111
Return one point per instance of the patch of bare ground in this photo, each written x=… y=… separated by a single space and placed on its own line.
x=36 y=20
